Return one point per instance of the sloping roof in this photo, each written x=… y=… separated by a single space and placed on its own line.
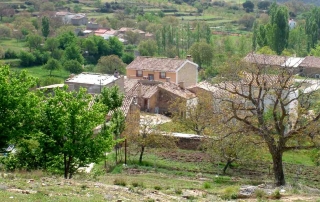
x=157 y=64
x=145 y=91
x=129 y=84
x=261 y=59
x=310 y=61
x=266 y=79
x=177 y=90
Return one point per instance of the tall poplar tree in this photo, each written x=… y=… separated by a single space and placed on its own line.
x=45 y=26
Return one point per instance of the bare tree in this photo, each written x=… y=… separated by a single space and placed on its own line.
x=148 y=136
x=275 y=108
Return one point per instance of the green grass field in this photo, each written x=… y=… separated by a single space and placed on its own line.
x=41 y=73
x=12 y=44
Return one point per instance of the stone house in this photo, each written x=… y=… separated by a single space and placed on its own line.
x=178 y=71
x=308 y=66
x=155 y=96
x=94 y=82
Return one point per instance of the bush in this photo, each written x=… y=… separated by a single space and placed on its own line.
x=127 y=58
x=230 y=193
x=259 y=193
x=276 y=194
x=10 y=54
x=41 y=57
x=137 y=184
x=120 y=182
x=73 y=66
x=157 y=187
x=27 y=59
x=206 y=185
x=178 y=191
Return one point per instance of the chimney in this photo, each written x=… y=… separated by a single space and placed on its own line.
x=181 y=84
x=189 y=58
x=116 y=73
x=167 y=79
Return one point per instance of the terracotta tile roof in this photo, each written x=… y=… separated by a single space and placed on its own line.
x=269 y=80
x=125 y=107
x=111 y=32
x=156 y=64
x=146 y=91
x=129 y=84
x=274 y=60
x=310 y=61
x=125 y=29
x=177 y=90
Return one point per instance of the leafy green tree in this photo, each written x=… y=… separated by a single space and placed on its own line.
x=66 y=38
x=95 y=47
x=51 y=44
x=116 y=46
x=278 y=30
x=127 y=58
x=73 y=66
x=68 y=122
x=18 y=106
x=45 y=29
x=5 y=31
x=263 y=5
x=248 y=6
x=73 y=52
x=108 y=64
x=202 y=53
x=298 y=41
x=148 y=48
x=34 y=41
x=52 y=65
x=312 y=30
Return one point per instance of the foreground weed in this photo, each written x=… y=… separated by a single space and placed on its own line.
x=120 y=182
x=206 y=185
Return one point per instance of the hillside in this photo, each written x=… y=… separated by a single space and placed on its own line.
x=312 y=2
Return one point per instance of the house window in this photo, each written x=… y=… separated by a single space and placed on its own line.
x=317 y=76
x=139 y=73
x=162 y=75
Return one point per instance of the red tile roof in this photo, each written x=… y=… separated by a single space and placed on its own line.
x=156 y=64
x=310 y=61
x=274 y=60
x=177 y=90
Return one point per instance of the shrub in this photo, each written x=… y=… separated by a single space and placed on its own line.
x=27 y=59
x=137 y=184
x=178 y=191
x=10 y=54
x=230 y=193
x=157 y=187
x=259 y=193
x=120 y=182
x=206 y=185
x=276 y=194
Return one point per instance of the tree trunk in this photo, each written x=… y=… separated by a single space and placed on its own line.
x=278 y=168
x=65 y=166
x=141 y=154
x=226 y=166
